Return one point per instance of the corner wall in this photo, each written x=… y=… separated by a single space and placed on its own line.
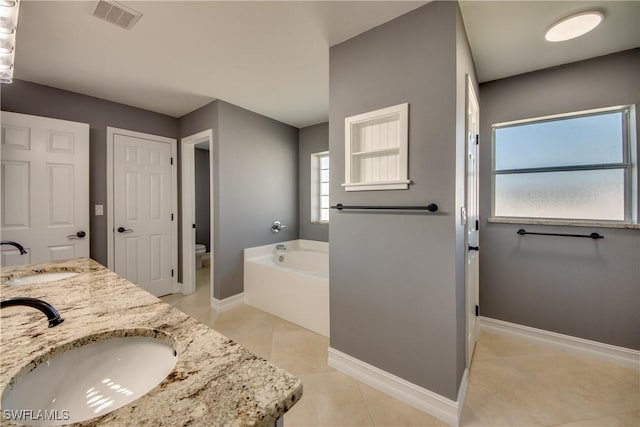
x=312 y=139
x=394 y=290
x=579 y=287
x=255 y=172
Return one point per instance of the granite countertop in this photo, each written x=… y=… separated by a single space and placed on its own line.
x=215 y=382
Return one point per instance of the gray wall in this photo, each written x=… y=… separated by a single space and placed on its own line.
x=31 y=98
x=312 y=139
x=202 y=186
x=255 y=172
x=579 y=287
x=394 y=277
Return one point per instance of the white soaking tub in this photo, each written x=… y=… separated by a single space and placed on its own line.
x=292 y=284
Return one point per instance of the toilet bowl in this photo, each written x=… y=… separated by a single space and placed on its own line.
x=200 y=250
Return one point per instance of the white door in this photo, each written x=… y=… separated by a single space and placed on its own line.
x=142 y=212
x=472 y=226
x=45 y=188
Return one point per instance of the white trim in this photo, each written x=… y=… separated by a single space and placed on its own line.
x=420 y=398
x=620 y=355
x=111 y=132
x=187 y=145
x=221 y=305
x=462 y=393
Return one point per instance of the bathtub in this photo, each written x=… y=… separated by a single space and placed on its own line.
x=291 y=284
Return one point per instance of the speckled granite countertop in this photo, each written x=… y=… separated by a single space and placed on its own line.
x=215 y=382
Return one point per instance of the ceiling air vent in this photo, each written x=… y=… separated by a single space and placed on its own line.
x=117 y=14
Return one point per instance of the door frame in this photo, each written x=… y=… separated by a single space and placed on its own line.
x=470 y=98
x=187 y=164
x=111 y=133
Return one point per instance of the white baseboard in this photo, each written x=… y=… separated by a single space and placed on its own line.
x=420 y=398
x=220 y=305
x=620 y=355
x=462 y=393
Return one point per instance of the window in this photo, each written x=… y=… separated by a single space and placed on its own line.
x=576 y=166
x=320 y=187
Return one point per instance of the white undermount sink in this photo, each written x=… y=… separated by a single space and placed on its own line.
x=92 y=380
x=41 y=278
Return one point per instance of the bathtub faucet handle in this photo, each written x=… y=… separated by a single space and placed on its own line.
x=277 y=226
x=281 y=247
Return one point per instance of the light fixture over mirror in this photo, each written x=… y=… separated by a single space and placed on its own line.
x=574 y=26
x=8 y=25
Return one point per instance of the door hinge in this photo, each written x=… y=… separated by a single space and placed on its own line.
x=172 y=276
x=193 y=226
x=477 y=225
x=477 y=310
x=171 y=217
x=172 y=158
x=477 y=139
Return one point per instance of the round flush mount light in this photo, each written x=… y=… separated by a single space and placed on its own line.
x=574 y=26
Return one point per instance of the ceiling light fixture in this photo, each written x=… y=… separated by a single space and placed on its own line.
x=8 y=24
x=574 y=26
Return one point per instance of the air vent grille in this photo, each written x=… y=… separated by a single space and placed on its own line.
x=117 y=14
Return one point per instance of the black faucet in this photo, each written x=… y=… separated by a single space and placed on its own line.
x=52 y=314
x=16 y=244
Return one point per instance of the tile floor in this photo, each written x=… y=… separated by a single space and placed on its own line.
x=512 y=382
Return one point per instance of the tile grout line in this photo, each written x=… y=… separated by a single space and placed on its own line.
x=366 y=404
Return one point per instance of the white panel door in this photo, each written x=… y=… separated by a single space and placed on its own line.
x=45 y=188
x=472 y=226
x=142 y=187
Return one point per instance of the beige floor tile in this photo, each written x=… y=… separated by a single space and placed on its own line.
x=500 y=411
x=491 y=346
x=387 y=411
x=512 y=383
x=281 y=325
x=251 y=328
x=470 y=419
x=329 y=399
x=629 y=419
x=300 y=351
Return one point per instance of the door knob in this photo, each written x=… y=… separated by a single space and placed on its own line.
x=124 y=230
x=79 y=235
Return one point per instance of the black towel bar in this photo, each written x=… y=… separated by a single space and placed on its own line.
x=432 y=207
x=594 y=236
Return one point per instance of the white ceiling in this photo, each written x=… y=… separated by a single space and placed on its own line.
x=272 y=57
x=268 y=57
x=507 y=37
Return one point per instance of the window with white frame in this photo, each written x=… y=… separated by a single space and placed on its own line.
x=320 y=187
x=576 y=166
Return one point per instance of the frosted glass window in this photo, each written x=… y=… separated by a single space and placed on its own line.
x=591 y=194
x=572 y=167
x=320 y=187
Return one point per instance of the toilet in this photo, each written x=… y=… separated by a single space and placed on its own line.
x=200 y=250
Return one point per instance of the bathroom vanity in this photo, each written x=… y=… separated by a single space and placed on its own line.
x=214 y=382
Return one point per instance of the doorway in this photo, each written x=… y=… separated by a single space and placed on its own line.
x=473 y=223
x=142 y=209
x=194 y=227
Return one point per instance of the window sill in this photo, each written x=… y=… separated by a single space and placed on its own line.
x=320 y=222
x=563 y=222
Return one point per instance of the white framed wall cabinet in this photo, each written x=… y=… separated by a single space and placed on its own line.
x=376 y=150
